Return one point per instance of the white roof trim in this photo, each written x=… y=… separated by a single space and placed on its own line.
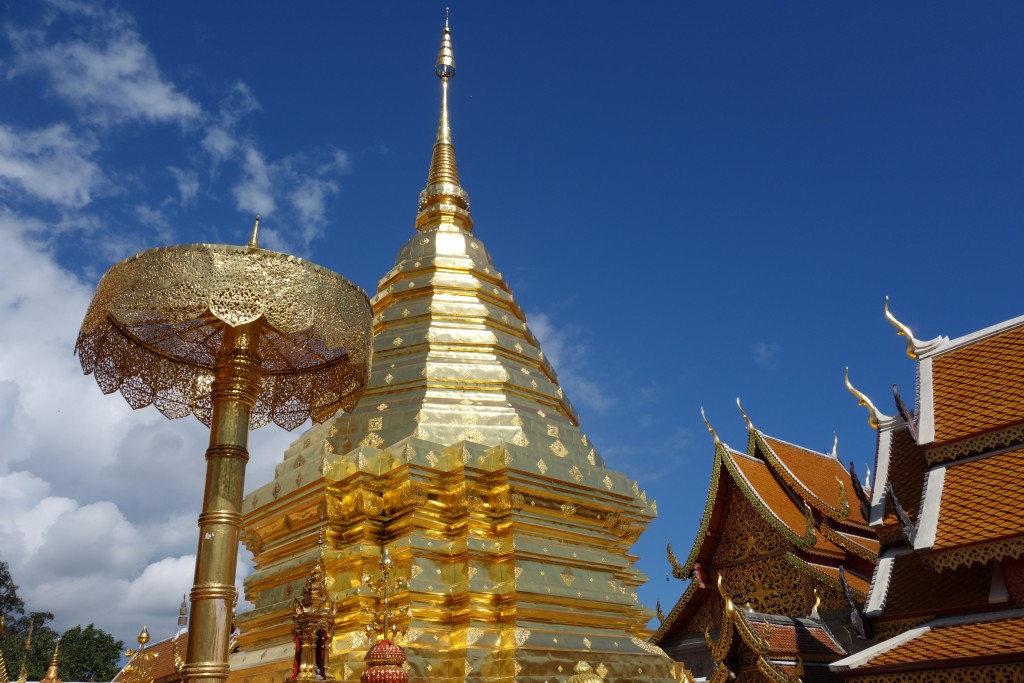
x=884 y=454
x=973 y=337
x=925 y=402
x=866 y=655
x=931 y=503
x=880 y=581
x=862 y=657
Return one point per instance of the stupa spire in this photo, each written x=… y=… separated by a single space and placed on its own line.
x=443 y=204
x=53 y=673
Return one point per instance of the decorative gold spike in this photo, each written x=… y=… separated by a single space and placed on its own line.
x=835 y=445
x=254 y=241
x=677 y=570
x=750 y=425
x=874 y=416
x=711 y=429
x=817 y=604
x=52 y=673
x=902 y=330
x=443 y=202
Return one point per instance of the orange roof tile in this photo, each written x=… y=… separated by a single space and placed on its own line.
x=982 y=501
x=916 y=589
x=957 y=642
x=761 y=480
x=767 y=487
x=979 y=387
x=817 y=473
x=787 y=636
x=907 y=467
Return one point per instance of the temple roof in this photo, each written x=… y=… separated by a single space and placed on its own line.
x=792 y=636
x=777 y=478
x=976 y=505
x=803 y=495
x=165 y=656
x=979 y=385
x=968 y=642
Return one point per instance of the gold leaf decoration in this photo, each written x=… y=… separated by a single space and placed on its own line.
x=373 y=440
x=559 y=449
x=567 y=576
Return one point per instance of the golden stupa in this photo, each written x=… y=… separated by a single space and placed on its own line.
x=465 y=460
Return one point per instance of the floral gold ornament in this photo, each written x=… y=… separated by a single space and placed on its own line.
x=140 y=661
x=238 y=337
x=382 y=617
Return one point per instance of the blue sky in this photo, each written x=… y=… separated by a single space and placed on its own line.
x=692 y=202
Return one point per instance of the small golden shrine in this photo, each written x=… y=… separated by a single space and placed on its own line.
x=783 y=547
x=464 y=460
x=947 y=599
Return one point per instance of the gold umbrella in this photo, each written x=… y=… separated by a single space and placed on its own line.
x=238 y=337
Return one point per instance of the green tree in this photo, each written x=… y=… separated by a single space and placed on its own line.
x=88 y=654
x=40 y=651
x=9 y=600
x=85 y=653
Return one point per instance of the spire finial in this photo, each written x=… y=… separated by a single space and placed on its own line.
x=52 y=673
x=711 y=429
x=443 y=203
x=874 y=415
x=902 y=330
x=750 y=425
x=254 y=241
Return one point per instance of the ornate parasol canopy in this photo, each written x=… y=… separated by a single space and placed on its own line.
x=156 y=323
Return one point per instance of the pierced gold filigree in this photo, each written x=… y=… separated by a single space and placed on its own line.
x=155 y=325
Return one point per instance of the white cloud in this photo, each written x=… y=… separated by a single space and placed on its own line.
x=188 y=184
x=254 y=193
x=108 y=74
x=50 y=164
x=566 y=352
x=765 y=353
x=98 y=526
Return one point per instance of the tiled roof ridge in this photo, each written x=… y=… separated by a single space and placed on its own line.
x=973 y=337
x=827 y=456
x=840 y=513
x=768 y=514
x=683 y=572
